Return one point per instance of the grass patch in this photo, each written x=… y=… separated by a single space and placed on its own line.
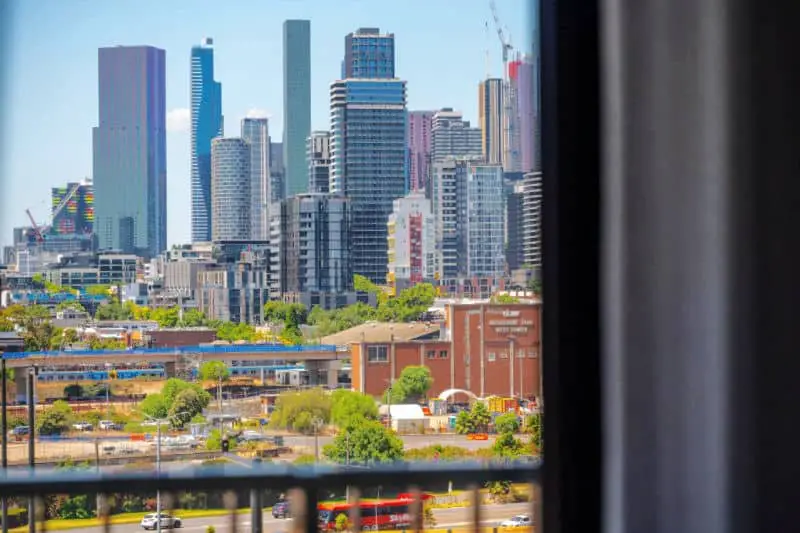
x=62 y=524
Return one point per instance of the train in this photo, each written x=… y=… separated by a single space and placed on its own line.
x=154 y=372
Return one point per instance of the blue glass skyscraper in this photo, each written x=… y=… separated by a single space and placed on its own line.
x=130 y=150
x=368 y=163
x=368 y=54
x=206 y=99
x=296 y=103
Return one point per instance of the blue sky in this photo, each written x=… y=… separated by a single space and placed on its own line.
x=51 y=74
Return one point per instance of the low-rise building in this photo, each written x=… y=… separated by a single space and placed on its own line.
x=486 y=349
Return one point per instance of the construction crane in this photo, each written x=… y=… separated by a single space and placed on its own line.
x=36 y=230
x=64 y=201
x=504 y=41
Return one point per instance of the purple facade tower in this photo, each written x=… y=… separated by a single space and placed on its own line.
x=419 y=143
x=523 y=78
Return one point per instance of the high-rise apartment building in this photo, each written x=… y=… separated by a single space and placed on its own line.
x=72 y=209
x=522 y=79
x=230 y=189
x=491 y=117
x=512 y=149
x=452 y=136
x=277 y=172
x=368 y=54
x=296 y=103
x=368 y=162
x=420 y=144
x=255 y=132
x=206 y=117
x=411 y=241
x=319 y=161
x=130 y=150
x=532 y=220
x=314 y=251
x=468 y=206
x=514 y=225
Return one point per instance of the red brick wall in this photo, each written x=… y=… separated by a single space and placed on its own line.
x=502 y=326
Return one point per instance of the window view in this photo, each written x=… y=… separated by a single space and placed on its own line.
x=271 y=235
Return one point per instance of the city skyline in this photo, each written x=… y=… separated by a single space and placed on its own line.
x=30 y=179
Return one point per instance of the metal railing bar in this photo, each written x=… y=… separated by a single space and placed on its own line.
x=259 y=477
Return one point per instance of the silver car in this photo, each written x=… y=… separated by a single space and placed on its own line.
x=150 y=521
x=517 y=521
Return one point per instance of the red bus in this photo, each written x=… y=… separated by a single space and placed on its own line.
x=375 y=514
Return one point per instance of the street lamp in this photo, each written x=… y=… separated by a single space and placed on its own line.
x=317 y=422
x=159 y=422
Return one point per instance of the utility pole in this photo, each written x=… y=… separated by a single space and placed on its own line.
x=31 y=443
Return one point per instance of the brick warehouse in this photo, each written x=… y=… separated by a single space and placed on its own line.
x=488 y=349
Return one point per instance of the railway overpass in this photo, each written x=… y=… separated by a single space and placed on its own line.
x=316 y=359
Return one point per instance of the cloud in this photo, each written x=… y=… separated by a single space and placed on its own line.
x=178 y=119
x=257 y=113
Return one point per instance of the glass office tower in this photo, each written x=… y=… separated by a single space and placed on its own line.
x=296 y=103
x=130 y=150
x=206 y=110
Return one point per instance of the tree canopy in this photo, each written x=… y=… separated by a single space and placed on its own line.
x=507 y=423
x=473 y=421
x=412 y=386
x=347 y=405
x=364 y=442
x=55 y=419
x=297 y=410
x=502 y=298
x=215 y=371
x=174 y=400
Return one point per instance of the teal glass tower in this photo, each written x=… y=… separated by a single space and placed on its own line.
x=296 y=104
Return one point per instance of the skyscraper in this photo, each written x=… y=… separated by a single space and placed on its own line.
x=72 y=209
x=412 y=242
x=296 y=103
x=368 y=162
x=319 y=161
x=368 y=54
x=452 y=136
x=420 y=144
x=524 y=78
x=230 y=189
x=255 y=132
x=490 y=114
x=467 y=201
x=130 y=150
x=206 y=113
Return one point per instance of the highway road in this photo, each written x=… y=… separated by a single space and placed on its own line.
x=445 y=518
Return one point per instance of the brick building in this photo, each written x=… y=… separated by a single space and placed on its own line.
x=487 y=349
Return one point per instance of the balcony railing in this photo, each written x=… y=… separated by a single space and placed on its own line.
x=302 y=484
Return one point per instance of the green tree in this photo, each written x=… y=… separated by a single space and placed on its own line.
x=347 y=405
x=155 y=406
x=535 y=285
x=292 y=335
x=167 y=317
x=75 y=390
x=473 y=421
x=71 y=305
x=70 y=336
x=98 y=290
x=534 y=427
x=175 y=386
x=413 y=384
x=37 y=330
x=232 y=332
x=55 y=419
x=365 y=442
x=502 y=298
x=188 y=404
x=215 y=371
x=288 y=313
x=194 y=318
x=297 y=410
x=507 y=446
x=507 y=423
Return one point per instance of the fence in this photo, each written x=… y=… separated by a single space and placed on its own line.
x=303 y=484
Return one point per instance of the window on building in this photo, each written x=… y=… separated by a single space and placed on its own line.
x=492 y=356
x=377 y=354
x=443 y=354
x=430 y=354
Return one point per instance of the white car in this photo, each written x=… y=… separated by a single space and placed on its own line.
x=150 y=521
x=517 y=521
